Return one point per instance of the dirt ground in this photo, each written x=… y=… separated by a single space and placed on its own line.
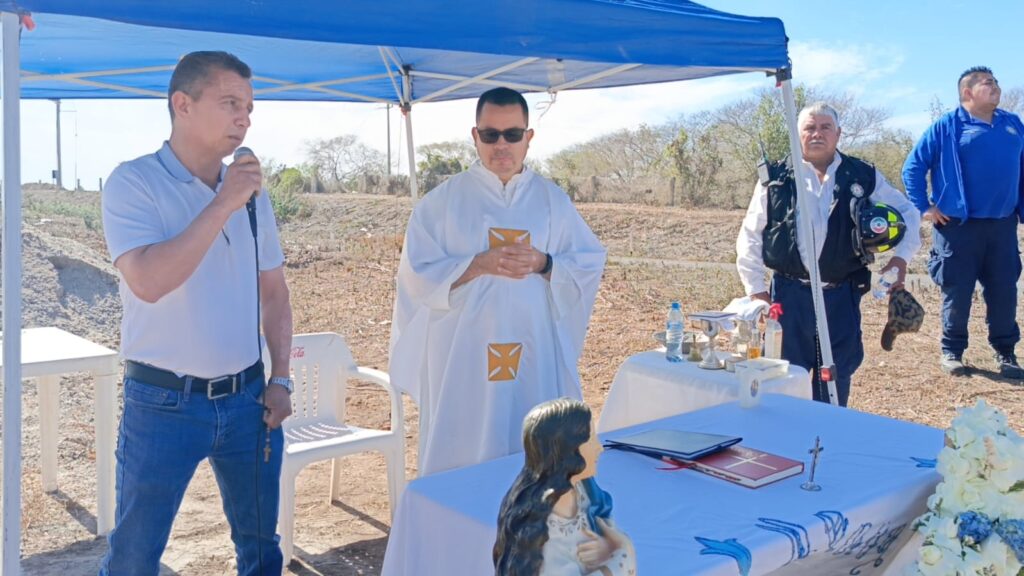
x=341 y=266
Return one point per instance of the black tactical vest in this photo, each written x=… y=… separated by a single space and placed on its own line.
x=838 y=259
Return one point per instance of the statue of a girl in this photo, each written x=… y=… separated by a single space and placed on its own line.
x=555 y=520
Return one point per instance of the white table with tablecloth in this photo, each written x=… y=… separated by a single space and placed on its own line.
x=875 y=472
x=648 y=387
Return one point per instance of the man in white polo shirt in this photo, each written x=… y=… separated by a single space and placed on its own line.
x=199 y=260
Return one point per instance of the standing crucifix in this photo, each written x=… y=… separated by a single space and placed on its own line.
x=810 y=485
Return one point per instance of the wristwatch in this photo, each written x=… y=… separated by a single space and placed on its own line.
x=288 y=383
x=548 y=262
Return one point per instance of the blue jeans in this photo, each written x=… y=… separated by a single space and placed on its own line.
x=842 y=309
x=164 y=436
x=978 y=250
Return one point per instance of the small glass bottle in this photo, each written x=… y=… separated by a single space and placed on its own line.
x=754 y=344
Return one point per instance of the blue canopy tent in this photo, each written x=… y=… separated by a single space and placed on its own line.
x=403 y=52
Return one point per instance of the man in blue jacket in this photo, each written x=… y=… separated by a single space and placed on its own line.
x=975 y=156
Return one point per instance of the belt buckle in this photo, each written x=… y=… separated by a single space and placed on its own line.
x=209 y=387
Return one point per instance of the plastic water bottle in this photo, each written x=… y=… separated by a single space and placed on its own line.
x=674 y=334
x=885 y=281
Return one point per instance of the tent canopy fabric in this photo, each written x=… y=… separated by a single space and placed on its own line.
x=358 y=50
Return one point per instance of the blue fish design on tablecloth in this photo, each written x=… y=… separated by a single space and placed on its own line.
x=730 y=548
x=797 y=534
x=835 y=526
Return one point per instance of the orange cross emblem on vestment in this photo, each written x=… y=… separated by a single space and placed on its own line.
x=497 y=237
x=503 y=361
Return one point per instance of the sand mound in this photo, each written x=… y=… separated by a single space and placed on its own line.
x=68 y=285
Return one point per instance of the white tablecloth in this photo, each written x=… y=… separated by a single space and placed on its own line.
x=876 y=474
x=648 y=387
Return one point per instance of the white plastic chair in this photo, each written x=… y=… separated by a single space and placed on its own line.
x=321 y=365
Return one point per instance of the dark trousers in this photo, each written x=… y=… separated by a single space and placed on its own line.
x=978 y=250
x=842 y=308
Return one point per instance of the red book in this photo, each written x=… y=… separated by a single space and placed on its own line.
x=747 y=466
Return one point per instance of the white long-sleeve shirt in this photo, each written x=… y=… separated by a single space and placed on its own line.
x=749 y=255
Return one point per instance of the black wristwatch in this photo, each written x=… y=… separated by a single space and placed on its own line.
x=547 y=265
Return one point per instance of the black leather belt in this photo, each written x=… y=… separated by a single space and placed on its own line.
x=806 y=282
x=213 y=387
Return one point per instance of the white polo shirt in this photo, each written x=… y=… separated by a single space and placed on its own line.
x=208 y=326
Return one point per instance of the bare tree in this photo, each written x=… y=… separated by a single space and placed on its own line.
x=341 y=160
x=887 y=152
x=623 y=155
x=443 y=159
x=1013 y=100
x=936 y=108
x=761 y=118
x=453 y=151
x=695 y=159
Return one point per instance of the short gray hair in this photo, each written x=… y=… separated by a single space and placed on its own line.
x=818 y=109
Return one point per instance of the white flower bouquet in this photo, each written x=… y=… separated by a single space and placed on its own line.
x=975 y=522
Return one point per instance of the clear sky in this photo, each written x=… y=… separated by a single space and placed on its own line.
x=896 y=54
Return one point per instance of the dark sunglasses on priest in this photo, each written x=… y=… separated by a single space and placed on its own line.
x=491 y=135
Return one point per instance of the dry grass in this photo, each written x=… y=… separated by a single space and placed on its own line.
x=342 y=261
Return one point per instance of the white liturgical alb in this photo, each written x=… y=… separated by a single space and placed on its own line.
x=479 y=357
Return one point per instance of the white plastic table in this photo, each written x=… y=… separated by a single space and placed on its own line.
x=648 y=387
x=46 y=354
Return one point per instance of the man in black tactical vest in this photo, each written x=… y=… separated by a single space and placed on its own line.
x=841 y=187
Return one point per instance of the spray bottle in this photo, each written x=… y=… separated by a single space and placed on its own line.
x=773 y=332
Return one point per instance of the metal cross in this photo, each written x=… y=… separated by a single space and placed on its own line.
x=810 y=485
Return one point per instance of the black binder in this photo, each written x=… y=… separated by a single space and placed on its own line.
x=677 y=444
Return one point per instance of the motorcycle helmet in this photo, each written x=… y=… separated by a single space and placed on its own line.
x=880 y=228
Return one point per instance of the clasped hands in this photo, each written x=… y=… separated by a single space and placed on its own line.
x=512 y=261
x=516 y=261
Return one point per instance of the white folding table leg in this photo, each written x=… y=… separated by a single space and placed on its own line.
x=106 y=385
x=49 y=416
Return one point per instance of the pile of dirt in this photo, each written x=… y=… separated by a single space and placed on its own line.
x=68 y=285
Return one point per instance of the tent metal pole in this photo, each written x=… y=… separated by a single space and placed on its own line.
x=806 y=230
x=414 y=187
x=60 y=167
x=388 y=117
x=10 y=268
x=407 y=110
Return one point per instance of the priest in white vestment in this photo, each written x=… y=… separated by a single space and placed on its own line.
x=496 y=284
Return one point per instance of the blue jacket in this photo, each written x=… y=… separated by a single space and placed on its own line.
x=936 y=151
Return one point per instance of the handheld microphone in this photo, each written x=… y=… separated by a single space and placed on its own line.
x=241 y=152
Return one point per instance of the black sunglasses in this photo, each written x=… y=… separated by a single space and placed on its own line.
x=491 y=135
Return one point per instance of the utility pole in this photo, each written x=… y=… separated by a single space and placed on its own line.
x=60 y=173
x=388 y=108
x=78 y=186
